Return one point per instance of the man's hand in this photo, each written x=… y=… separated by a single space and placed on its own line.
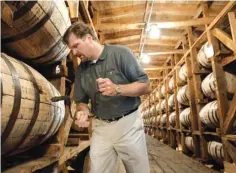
x=81 y=119
x=106 y=87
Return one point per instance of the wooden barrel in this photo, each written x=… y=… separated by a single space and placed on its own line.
x=152 y=98
x=163 y=90
x=172 y=119
x=163 y=120
x=189 y=143
x=158 y=120
x=29 y=117
x=185 y=117
x=158 y=106
x=36 y=31
x=152 y=110
x=215 y=150
x=171 y=101
x=202 y=58
x=183 y=95
x=209 y=115
x=183 y=73
x=157 y=95
x=171 y=84
x=163 y=105
x=209 y=86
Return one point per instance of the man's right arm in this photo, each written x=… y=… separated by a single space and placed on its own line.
x=82 y=113
x=81 y=99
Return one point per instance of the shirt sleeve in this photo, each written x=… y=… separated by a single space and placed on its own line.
x=131 y=67
x=79 y=93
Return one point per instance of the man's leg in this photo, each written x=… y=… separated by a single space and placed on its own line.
x=102 y=154
x=132 y=148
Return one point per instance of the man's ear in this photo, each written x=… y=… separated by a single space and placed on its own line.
x=89 y=37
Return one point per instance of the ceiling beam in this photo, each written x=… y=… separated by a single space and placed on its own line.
x=123 y=39
x=159 y=8
x=121 y=34
x=177 y=51
x=156 y=68
x=122 y=10
x=174 y=24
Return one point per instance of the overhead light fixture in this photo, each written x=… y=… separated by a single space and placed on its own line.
x=208 y=50
x=153 y=31
x=145 y=58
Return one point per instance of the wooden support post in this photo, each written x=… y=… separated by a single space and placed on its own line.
x=218 y=74
x=184 y=148
x=232 y=21
x=201 y=146
x=224 y=38
x=231 y=116
x=230 y=149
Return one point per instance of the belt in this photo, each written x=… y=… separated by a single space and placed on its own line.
x=116 y=118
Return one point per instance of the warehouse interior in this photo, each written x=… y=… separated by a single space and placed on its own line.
x=186 y=48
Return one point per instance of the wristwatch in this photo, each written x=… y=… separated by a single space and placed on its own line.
x=118 y=90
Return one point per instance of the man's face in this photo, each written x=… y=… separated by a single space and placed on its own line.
x=81 y=47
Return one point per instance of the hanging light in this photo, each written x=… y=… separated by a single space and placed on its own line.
x=145 y=58
x=153 y=31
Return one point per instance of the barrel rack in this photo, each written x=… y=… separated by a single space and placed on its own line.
x=64 y=145
x=175 y=136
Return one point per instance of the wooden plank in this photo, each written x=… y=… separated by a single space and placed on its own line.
x=72 y=151
x=110 y=13
x=227 y=60
x=171 y=161
x=6 y=13
x=229 y=167
x=87 y=15
x=42 y=162
x=32 y=165
x=224 y=38
x=230 y=117
x=73 y=9
x=217 y=20
x=123 y=39
x=175 y=51
x=221 y=15
x=232 y=21
x=200 y=147
x=157 y=68
x=175 y=24
x=231 y=150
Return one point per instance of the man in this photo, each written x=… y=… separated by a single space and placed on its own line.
x=111 y=77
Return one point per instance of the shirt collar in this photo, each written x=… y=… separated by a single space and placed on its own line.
x=104 y=53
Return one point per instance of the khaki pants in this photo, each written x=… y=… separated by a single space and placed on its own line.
x=124 y=138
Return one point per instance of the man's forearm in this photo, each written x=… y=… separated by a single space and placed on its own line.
x=134 y=89
x=82 y=107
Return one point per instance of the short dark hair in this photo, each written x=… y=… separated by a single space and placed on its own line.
x=80 y=29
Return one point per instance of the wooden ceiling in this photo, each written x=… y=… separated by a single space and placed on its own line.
x=124 y=22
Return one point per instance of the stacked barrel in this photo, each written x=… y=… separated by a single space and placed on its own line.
x=28 y=116
x=183 y=98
